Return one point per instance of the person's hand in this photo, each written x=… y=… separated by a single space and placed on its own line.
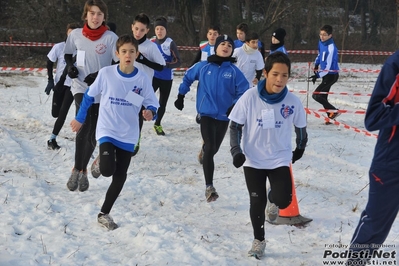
x=239 y=159
x=316 y=68
x=148 y=115
x=89 y=79
x=75 y=125
x=73 y=72
x=179 y=103
x=313 y=78
x=198 y=119
x=50 y=86
x=297 y=154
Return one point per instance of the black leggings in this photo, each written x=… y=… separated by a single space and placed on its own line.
x=325 y=86
x=67 y=100
x=113 y=162
x=280 y=194
x=86 y=137
x=164 y=87
x=213 y=132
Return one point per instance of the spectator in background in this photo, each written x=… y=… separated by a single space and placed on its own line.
x=242 y=30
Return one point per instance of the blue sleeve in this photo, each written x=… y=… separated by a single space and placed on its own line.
x=191 y=75
x=242 y=85
x=383 y=108
x=87 y=101
x=154 y=110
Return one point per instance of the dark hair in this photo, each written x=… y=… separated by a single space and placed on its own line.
x=142 y=18
x=327 y=28
x=215 y=28
x=243 y=27
x=127 y=38
x=277 y=57
x=72 y=26
x=100 y=4
x=251 y=36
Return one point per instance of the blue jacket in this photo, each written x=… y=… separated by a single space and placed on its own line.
x=219 y=87
x=327 y=59
x=383 y=114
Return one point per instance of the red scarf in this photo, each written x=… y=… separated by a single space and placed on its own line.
x=94 y=34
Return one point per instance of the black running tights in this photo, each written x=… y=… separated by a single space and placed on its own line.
x=281 y=193
x=164 y=87
x=213 y=132
x=113 y=162
x=86 y=137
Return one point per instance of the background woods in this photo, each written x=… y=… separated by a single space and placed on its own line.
x=358 y=24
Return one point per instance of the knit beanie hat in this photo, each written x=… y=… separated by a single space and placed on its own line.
x=279 y=34
x=223 y=38
x=161 y=22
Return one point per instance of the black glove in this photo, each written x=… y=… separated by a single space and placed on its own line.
x=50 y=85
x=229 y=110
x=73 y=72
x=89 y=79
x=313 y=78
x=239 y=159
x=316 y=67
x=297 y=154
x=59 y=87
x=179 y=103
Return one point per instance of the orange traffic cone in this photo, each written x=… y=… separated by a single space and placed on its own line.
x=290 y=215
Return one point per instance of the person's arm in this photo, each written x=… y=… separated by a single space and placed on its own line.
x=71 y=69
x=143 y=60
x=301 y=140
x=50 y=80
x=235 y=144
x=176 y=61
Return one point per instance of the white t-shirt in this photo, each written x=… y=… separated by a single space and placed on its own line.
x=91 y=56
x=118 y=118
x=248 y=63
x=267 y=131
x=56 y=54
x=151 y=52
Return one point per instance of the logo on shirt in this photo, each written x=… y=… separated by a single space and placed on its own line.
x=227 y=75
x=101 y=48
x=286 y=111
x=137 y=90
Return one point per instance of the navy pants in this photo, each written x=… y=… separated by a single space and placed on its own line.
x=380 y=212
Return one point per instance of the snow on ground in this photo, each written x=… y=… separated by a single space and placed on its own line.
x=162 y=213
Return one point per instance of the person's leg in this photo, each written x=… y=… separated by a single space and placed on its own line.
x=325 y=86
x=256 y=185
x=118 y=176
x=381 y=210
x=164 y=93
x=281 y=187
x=212 y=132
x=65 y=106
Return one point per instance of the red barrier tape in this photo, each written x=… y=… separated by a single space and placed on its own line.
x=337 y=123
x=342 y=111
x=193 y=48
x=337 y=93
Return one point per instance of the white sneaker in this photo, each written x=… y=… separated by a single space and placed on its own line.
x=258 y=249
x=106 y=221
x=211 y=194
x=272 y=211
x=95 y=167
